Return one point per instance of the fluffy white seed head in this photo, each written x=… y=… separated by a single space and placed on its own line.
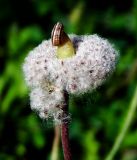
x=47 y=76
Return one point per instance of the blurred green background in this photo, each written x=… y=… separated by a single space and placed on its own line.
x=96 y=117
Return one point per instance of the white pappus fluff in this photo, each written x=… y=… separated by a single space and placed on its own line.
x=47 y=76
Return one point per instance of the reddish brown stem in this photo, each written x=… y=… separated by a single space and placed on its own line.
x=65 y=131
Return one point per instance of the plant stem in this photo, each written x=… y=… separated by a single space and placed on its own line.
x=125 y=127
x=55 y=147
x=65 y=131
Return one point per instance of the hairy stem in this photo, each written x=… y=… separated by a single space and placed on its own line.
x=65 y=130
x=126 y=124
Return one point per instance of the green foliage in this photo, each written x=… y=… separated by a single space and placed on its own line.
x=96 y=117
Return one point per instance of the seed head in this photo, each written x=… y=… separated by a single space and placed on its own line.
x=47 y=76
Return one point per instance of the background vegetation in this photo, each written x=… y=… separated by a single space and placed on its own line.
x=97 y=117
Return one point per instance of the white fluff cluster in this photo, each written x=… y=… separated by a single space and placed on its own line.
x=47 y=76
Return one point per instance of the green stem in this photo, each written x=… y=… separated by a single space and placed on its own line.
x=55 y=147
x=124 y=128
